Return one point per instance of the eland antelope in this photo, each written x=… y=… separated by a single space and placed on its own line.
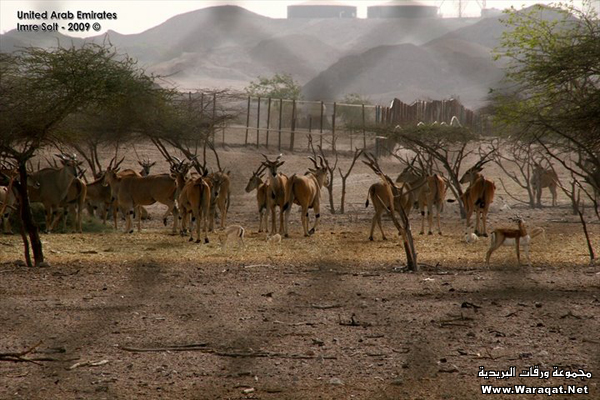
x=278 y=190
x=306 y=192
x=262 y=197
x=478 y=196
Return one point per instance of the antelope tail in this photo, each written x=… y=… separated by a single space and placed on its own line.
x=289 y=195
x=369 y=194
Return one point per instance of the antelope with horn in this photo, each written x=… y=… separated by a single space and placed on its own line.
x=429 y=191
x=277 y=192
x=478 y=196
x=194 y=199
x=518 y=237
x=262 y=196
x=132 y=192
x=54 y=185
x=146 y=164
x=223 y=199
x=544 y=178
x=386 y=196
x=306 y=192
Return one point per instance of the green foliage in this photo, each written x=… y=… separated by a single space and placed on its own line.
x=279 y=86
x=41 y=90
x=553 y=67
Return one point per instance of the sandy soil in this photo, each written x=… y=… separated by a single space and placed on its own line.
x=331 y=316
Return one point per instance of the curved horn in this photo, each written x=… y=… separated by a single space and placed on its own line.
x=322 y=162
x=311 y=158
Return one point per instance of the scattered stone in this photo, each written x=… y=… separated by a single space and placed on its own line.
x=398 y=382
x=336 y=382
x=248 y=391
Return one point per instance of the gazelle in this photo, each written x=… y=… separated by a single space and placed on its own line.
x=544 y=178
x=262 y=197
x=386 y=196
x=278 y=184
x=478 y=196
x=306 y=192
x=508 y=237
x=233 y=233
x=429 y=191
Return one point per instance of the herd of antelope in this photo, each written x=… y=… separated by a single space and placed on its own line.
x=192 y=194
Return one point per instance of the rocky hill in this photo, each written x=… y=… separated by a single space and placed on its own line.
x=228 y=46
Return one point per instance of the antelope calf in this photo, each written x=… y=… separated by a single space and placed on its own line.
x=478 y=196
x=233 y=233
x=262 y=198
x=508 y=237
x=306 y=192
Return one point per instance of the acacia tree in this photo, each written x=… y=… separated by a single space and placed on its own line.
x=553 y=67
x=41 y=88
x=553 y=70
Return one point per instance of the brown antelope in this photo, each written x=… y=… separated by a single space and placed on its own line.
x=508 y=237
x=306 y=192
x=221 y=202
x=74 y=204
x=544 y=178
x=386 y=196
x=54 y=187
x=146 y=165
x=262 y=198
x=429 y=191
x=99 y=198
x=8 y=198
x=195 y=199
x=478 y=196
x=131 y=192
x=278 y=184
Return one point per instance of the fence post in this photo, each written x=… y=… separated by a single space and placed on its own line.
x=268 y=121
x=363 y=127
x=247 y=122
x=321 y=129
x=293 y=133
x=280 y=115
x=214 y=117
x=258 y=124
x=333 y=127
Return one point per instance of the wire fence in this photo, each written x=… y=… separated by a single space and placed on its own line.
x=286 y=125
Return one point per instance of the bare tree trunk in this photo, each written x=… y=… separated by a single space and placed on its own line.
x=27 y=219
x=587 y=236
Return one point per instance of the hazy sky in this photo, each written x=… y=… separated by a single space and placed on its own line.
x=135 y=16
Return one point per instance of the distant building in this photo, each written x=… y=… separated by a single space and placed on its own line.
x=402 y=9
x=321 y=9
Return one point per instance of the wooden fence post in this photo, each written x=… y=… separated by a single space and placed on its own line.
x=293 y=133
x=363 y=126
x=268 y=121
x=258 y=124
x=321 y=130
x=247 y=122
x=280 y=118
x=333 y=127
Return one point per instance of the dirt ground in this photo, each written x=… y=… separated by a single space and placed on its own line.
x=333 y=316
